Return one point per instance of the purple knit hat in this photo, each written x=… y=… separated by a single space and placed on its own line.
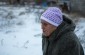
x=52 y=15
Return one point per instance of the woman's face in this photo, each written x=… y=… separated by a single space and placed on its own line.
x=47 y=28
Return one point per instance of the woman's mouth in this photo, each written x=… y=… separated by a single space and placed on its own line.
x=43 y=30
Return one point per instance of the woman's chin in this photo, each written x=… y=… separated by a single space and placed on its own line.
x=45 y=35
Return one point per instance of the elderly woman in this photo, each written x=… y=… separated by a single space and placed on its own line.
x=58 y=34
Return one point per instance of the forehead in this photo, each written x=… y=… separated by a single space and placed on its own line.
x=43 y=21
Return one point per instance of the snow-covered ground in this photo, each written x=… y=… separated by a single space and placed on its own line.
x=80 y=31
x=20 y=31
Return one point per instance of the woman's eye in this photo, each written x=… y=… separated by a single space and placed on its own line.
x=45 y=24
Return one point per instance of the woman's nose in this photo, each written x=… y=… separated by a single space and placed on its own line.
x=42 y=26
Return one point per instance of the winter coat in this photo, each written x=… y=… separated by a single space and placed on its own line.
x=63 y=41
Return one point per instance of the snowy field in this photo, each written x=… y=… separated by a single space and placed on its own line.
x=20 y=31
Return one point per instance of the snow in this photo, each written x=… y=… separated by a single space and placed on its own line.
x=20 y=34
x=80 y=31
x=20 y=31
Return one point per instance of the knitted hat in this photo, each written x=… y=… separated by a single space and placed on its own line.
x=52 y=15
